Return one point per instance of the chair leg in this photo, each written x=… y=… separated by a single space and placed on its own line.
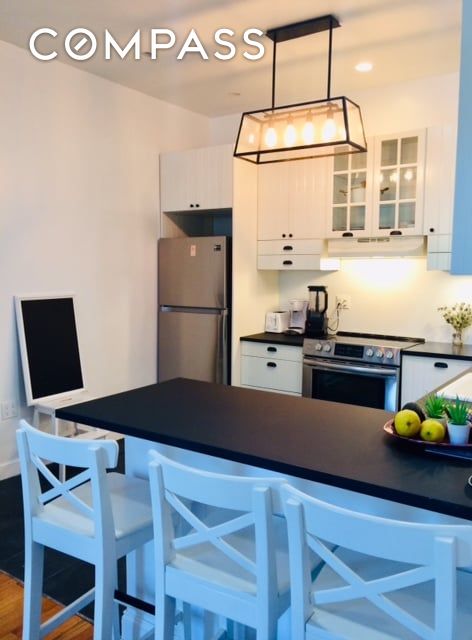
x=164 y=619
x=33 y=591
x=104 y=624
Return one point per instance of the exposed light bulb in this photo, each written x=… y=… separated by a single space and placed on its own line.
x=408 y=175
x=329 y=130
x=364 y=67
x=308 y=132
x=394 y=177
x=251 y=138
x=290 y=135
x=271 y=137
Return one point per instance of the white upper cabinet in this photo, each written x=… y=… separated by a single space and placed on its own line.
x=439 y=195
x=198 y=179
x=350 y=193
x=379 y=193
x=399 y=164
x=292 y=200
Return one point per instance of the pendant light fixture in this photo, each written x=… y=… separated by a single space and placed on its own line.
x=305 y=130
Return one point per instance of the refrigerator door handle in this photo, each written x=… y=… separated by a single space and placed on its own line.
x=170 y=309
x=221 y=364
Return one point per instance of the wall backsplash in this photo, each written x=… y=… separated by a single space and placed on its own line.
x=391 y=296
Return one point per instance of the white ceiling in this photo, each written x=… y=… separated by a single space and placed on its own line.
x=405 y=39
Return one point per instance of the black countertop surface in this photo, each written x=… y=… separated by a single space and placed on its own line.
x=336 y=444
x=440 y=349
x=276 y=338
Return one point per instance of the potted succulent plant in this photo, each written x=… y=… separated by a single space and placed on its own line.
x=435 y=408
x=458 y=425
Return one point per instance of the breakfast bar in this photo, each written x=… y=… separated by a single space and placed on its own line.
x=336 y=451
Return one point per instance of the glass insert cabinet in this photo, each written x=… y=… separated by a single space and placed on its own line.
x=380 y=192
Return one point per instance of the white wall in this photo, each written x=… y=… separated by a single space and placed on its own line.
x=388 y=296
x=79 y=203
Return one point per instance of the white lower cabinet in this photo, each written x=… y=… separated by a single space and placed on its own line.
x=421 y=374
x=271 y=367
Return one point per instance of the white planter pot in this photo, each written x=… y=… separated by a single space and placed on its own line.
x=458 y=433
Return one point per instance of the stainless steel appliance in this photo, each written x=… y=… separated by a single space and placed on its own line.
x=317 y=322
x=360 y=369
x=297 y=320
x=194 y=308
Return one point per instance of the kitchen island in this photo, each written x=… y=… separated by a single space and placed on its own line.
x=335 y=451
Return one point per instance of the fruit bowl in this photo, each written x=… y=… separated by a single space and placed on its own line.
x=390 y=429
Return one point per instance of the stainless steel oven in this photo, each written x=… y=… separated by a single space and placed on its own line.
x=359 y=370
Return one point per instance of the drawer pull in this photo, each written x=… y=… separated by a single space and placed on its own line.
x=287 y=262
x=348 y=234
x=272 y=365
x=288 y=247
x=396 y=232
x=441 y=365
x=272 y=349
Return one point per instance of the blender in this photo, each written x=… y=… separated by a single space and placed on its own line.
x=317 y=320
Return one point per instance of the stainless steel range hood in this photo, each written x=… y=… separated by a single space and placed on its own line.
x=384 y=246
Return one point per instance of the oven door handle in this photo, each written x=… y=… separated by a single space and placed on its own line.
x=348 y=368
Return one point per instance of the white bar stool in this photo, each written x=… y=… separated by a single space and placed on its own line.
x=94 y=516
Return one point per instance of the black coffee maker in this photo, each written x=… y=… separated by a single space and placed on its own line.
x=317 y=320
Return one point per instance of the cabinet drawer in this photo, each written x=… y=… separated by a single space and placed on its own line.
x=421 y=375
x=289 y=262
x=280 y=375
x=289 y=247
x=287 y=393
x=272 y=351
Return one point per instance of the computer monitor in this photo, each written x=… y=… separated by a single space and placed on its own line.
x=49 y=346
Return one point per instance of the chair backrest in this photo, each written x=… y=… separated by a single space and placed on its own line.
x=241 y=502
x=433 y=551
x=36 y=449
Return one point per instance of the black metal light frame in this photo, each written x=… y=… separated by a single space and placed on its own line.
x=344 y=145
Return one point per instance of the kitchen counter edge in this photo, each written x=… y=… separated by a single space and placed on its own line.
x=276 y=338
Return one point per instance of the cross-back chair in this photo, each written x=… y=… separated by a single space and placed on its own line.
x=95 y=516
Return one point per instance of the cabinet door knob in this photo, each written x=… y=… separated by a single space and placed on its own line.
x=191 y=206
x=197 y=205
x=441 y=365
x=283 y=235
x=348 y=234
x=290 y=235
x=288 y=247
x=395 y=232
x=431 y=229
x=272 y=349
x=287 y=262
x=272 y=365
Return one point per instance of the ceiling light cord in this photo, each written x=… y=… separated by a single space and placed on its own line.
x=274 y=56
x=330 y=55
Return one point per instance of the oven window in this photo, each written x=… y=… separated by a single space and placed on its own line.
x=350 y=388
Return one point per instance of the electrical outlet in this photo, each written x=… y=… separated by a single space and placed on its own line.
x=9 y=409
x=343 y=301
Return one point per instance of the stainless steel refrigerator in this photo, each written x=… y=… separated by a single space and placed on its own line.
x=194 y=280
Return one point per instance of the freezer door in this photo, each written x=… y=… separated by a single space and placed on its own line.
x=192 y=272
x=193 y=343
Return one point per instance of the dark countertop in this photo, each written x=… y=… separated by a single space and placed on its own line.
x=276 y=338
x=440 y=349
x=336 y=444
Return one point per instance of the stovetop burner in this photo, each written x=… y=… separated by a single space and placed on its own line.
x=359 y=347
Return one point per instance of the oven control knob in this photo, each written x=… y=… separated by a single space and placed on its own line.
x=389 y=355
x=379 y=353
x=369 y=353
x=327 y=347
x=318 y=346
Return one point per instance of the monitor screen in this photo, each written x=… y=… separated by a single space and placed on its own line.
x=49 y=345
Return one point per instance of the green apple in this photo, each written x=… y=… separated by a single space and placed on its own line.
x=407 y=423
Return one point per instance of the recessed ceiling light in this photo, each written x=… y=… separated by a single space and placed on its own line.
x=363 y=67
